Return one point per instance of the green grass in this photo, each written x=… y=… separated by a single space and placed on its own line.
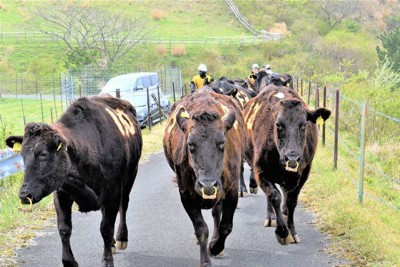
x=367 y=233
x=12 y=115
x=17 y=227
x=179 y=18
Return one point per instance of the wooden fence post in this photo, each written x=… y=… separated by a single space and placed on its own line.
x=362 y=153
x=335 y=150
x=316 y=98
x=309 y=93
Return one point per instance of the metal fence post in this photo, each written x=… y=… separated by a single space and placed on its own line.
x=323 y=105
x=173 y=91
x=301 y=87
x=148 y=109
x=362 y=153
x=41 y=106
x=159 y=105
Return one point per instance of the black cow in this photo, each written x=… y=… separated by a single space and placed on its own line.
x=90 y=156
x=264 y=79
x=230 y=87
x=204 y=145
x=282 y=140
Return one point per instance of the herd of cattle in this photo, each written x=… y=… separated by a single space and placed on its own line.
x=90 y=156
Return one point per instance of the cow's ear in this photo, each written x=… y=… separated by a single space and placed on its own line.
x=317 y=115
x=14 y=142
x=229 y=120
x=59 y=143
x=181 y=117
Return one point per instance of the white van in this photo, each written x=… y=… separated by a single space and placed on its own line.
x=131 y=82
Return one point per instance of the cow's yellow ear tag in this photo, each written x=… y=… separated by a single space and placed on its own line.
x=320 y=120
x=184 y=114
x=59 y=146
x=17 y=147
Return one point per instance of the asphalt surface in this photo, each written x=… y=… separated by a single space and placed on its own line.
x=161 y=233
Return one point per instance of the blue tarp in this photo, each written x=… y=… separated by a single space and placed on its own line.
x=10 y=162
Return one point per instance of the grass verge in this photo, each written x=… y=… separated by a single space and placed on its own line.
x=367 y=234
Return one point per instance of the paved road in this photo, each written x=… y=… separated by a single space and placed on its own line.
x=161 y=234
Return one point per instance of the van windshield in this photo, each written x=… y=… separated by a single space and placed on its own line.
x=138 y=100
x=124 y=84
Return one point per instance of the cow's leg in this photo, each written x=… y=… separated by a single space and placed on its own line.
x=122 y=233
x=225 y=227
x=274 y=197
x=109 y=211
x=292 y=198
x=216 y=213
x=270 y=220
x=242 y=185
x=200 y=228
x=63 y=204
x=253 y=184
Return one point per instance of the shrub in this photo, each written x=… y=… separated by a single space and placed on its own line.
x=157 y=14
x=178 y=50
x=161 y=50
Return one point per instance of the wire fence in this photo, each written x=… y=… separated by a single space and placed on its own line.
x=29 y=37
x=370 y=164
x=243 y=20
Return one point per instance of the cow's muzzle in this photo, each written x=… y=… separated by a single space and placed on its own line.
x=292 y=163
x=208 y=190
x=292 y=166
x=213 y=196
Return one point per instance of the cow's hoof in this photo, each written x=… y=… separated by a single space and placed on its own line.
x=269 y=222
x=296 y=239
x=221 y=254
x=243 y=194
x=121 y=245
x=215 y=249
x=254 y=190
x=113 y=249
x=69 y=263
x=284 y=240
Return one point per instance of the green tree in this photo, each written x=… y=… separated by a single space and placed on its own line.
x=390 y=49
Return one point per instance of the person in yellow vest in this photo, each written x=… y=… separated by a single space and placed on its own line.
x=254 y=71
x=200 y=79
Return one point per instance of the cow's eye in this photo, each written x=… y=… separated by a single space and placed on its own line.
x=221 y=145
x=302 y=127
x=192 y=147
x=43 y=154
x=279 y=127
